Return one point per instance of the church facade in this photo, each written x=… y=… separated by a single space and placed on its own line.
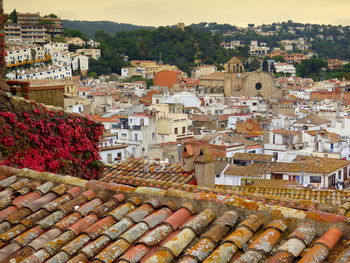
x=237 y=82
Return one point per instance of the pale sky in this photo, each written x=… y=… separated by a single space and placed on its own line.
x=164 y=12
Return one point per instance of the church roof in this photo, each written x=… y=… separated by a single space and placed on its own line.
x=214 y=76
x=234 y=60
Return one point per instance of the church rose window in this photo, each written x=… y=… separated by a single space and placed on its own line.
x=258 y=86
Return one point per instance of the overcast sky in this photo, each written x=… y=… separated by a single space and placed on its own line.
x=164 y=12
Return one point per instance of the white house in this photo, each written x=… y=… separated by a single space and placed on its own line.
x=80 y=62
x=233 y=119
x=320 y=173
x=50 y=72
x=27 y=54
x=185 y=98
x=110 y=151
x=55 y=47
x=93 y=44
x=285 y=68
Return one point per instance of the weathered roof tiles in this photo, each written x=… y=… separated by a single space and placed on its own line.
x=97 y=222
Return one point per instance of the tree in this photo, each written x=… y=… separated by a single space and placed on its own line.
x=273 y=68
x=311 y=68
x=51 y=16
x=253 y=65
x=279 y=59
x=265 y=65
x=33 y=54
x=74 y=33
x=13 y=16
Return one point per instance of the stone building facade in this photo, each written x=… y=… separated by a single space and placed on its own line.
x=236 y=82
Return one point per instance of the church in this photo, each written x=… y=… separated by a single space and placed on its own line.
x=236 y=82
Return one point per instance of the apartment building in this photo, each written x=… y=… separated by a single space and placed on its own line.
x=13 y=33
x=172 y=125
x=294 y=58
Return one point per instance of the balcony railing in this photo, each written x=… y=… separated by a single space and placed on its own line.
x=185 y=135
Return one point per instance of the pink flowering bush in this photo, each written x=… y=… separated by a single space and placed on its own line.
x=52 y=141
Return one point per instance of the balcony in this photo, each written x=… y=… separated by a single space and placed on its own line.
x=277 y=147
x=184 y=136
x=126 y=126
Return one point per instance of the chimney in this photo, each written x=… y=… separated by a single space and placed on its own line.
x=204 y=167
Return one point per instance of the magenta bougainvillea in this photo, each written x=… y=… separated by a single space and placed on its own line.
x=48 y=140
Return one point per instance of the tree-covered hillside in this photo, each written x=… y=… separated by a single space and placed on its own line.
x=182 y=48
x=89 y=28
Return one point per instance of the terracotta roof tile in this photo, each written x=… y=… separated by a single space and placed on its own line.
x=178 y=218
x=66 y=221
x=35 y=217
x=18 y=216
x=95 y=246
x=138 y=226
x=322 y=246
x=40 y=202
x=344 y=256
x=89 y=206
x=40 y=241
x=80 y=258
x=21 y=254
x=134 y=254
x=134 y=169
x=99 y=227
x=155 y=236
x=83 y=223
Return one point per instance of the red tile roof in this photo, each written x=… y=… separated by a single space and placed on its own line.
x=92 y=221
x=139 y=168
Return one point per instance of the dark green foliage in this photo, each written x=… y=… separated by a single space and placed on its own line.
x=279 y=59
x=214 y=27
x=273 y=68
x=252 y=65
x=182 y=48
x=89 y=28
x=311 y=68
x=343 y=73
x=329 y=49
x=265 y=66
x=51 y=16
x=74 y=33
x=13 y=16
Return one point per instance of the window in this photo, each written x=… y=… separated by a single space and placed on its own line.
x=258 y=86
x=175 y=130
x=124 y=134
x=254 y=103
x=183 y=130
x=119 y=155
x=109 y=158
x=339 y=175
x=315 y=179
x=136 y=136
